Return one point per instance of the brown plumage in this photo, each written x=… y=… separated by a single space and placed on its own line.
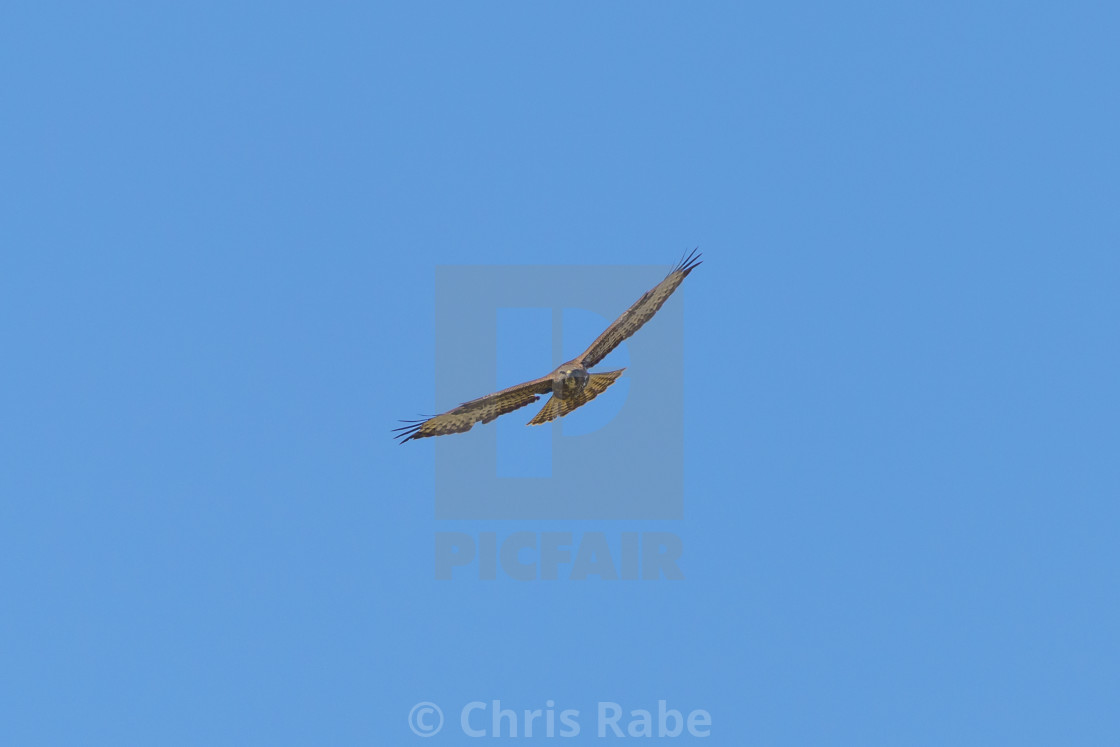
x=556 y=407
x=570 y=383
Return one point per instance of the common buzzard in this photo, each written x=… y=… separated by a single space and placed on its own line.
x=571 y=385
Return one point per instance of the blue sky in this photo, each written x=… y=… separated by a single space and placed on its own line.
x=221 y=224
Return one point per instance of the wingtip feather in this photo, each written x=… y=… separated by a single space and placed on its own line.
x=408 y=431
x=689 y=262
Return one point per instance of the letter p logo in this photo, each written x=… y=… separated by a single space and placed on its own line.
x=617 y=457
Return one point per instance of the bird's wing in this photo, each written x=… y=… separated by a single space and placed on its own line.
x=483 y=409
x=558 y=408
x=641 y=312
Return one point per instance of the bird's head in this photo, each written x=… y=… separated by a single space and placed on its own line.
x=568 y=379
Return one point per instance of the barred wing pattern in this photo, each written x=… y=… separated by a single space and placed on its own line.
x=641 y=312
x=481 y=410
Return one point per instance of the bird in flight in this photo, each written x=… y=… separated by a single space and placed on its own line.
x=570 y=384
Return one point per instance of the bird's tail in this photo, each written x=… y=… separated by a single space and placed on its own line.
x=597 y=383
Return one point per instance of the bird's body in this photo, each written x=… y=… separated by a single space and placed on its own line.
x=569 y=379
x=571 y=384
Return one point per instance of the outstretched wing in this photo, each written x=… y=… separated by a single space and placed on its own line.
x=641 y=312
x=483 y=409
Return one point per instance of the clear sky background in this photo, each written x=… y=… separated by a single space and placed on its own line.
x=220 y=224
